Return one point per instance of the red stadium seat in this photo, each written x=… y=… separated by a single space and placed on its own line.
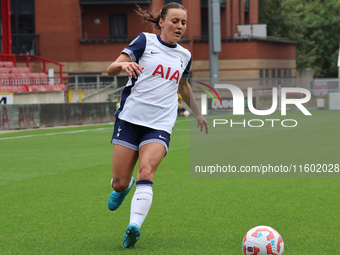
x=21 y=70
x=26 y=69
x=44 y=78
x=18 y=89
x=13 y=79
x=4 y=78
x=6 y=64
x=5 y=69
x=34 y=77
x=25 y=80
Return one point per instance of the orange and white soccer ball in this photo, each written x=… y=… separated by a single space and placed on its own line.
x=262 y=240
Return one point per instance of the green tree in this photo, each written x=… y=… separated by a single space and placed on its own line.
x=270 y=13
x=314 y=24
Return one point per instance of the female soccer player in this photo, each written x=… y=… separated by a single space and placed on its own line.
x=158 y=67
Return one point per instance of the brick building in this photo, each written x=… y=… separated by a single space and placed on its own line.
x=87 y=35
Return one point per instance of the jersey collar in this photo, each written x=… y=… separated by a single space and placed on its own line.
x=166 y=44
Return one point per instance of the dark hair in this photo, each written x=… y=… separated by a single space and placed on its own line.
x=148 y=16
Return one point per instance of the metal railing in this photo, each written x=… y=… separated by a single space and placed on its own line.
x=116 y=93
x=314 y=92
x=115 y=39
x=92 y=81
x=28 y=80
x=107 y=39
x=231 y=38
x=15 y=58
x=99 y=82
x=101 y=90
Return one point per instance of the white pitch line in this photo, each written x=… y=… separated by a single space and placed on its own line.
x=66 y=132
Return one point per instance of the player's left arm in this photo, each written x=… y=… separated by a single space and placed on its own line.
x=185 y=90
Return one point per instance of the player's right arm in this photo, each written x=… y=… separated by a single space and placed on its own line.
x=124 y=63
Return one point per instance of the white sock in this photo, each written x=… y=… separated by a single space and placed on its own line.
x=141 y=203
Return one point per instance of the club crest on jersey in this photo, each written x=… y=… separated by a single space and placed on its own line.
x=160 y=70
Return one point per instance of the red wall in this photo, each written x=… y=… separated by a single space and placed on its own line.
x=254 y=11
x=102 y=12
x=248 y=50
x=267 y=50
x=60 y=23
x=194 y=17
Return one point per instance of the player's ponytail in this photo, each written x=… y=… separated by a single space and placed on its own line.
x=148 y=16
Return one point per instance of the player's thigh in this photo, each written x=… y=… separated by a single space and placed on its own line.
x=123 y=162
x=150 y=156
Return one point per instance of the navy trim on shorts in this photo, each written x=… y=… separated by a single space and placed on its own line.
x=154 y=141
x=125 y=144
x=135 y=136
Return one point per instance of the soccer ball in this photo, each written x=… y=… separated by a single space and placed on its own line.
x=186 y=113
x=262 y=240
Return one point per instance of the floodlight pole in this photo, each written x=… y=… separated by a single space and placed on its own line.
x=6 y=27
x=214 y=39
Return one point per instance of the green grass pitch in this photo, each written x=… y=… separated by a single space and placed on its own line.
x=55 y=183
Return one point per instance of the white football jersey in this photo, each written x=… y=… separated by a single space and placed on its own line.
x=151 y=100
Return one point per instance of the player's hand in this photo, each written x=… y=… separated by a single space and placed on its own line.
x=202 y=123
x=132 y=69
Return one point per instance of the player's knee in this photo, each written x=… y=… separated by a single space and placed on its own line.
x=119 y=186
